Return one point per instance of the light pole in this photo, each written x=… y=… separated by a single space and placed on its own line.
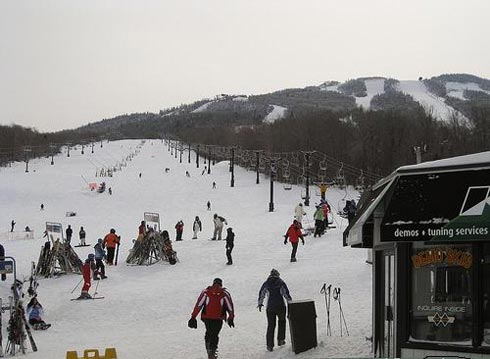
x=26 y=158
x=51 y=146
x=232 y=169
x=257 y=159
x=273 y=173
x=197 y=156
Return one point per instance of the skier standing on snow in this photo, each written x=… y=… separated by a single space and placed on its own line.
x=230 y=237
x=213 y=303
x=12 y=225
x=319 y=217
x=196 y=227
x=87 y=269
x=209 y=205
x=99 y=260
x=294 y=234
x=299 y=212
x=218 y=226
x=82 y=236
x=34 y=312
x=277 y=291
x=110 y=242
x=69 y=233
x=179 y=229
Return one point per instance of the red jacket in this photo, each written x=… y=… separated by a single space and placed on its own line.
x=294 y=233
x=213 y=303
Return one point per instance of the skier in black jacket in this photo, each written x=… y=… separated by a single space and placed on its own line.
x=69 y=233
x=277 y=291
x=230 y=237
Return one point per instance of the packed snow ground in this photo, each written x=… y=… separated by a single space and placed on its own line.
x=146 y=309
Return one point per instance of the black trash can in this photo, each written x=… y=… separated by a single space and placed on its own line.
x=302 y=324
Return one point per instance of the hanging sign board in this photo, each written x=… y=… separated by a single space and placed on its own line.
x=446 y=206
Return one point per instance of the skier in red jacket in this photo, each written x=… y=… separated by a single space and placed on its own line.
x=87 y=269
x=294 y=234
x=214 y=303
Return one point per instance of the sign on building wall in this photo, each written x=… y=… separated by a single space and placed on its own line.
x=451 y=206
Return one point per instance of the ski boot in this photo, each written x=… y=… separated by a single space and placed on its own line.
x=281 y=343
x=212 y=353
x=85 y=295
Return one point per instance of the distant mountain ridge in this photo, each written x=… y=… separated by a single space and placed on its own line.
x=446 y=97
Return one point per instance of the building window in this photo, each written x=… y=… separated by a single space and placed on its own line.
x=441 y=303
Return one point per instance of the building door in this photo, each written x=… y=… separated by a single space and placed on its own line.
x=389 y=304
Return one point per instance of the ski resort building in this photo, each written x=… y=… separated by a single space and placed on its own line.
x=429 y=229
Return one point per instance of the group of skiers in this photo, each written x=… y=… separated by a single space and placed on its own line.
x=216 y=306
x=94 y=268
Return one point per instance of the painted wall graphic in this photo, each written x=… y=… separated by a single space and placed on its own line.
x=451 y=206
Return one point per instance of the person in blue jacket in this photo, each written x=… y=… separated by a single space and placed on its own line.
x=34 y=312
x=277 y=291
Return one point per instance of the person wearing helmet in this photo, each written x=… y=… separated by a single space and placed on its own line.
x=110 y=242
x=87 y=269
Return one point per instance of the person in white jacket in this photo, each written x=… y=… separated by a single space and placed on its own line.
x=299 y=212
x=196 y=227
x=218 y=226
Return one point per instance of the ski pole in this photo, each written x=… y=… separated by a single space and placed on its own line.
x=336 y=296
x=96 y=287
x=324 y=291
x=76 y=286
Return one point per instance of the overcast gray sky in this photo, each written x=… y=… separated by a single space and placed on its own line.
x=66 y=63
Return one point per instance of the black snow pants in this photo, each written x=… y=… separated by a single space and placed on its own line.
x=229 y=249
x=272 y=314
x=211 y=338
x=294 y=250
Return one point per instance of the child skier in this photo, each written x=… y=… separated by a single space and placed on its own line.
x=87 y=269
x=34 y=312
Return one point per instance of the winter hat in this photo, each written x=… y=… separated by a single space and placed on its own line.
x=91 y=257
x=218 y=281
x=100 y=240
x=274 y=273
x=229 y=229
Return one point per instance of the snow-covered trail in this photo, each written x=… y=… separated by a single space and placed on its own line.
x=145 y=310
